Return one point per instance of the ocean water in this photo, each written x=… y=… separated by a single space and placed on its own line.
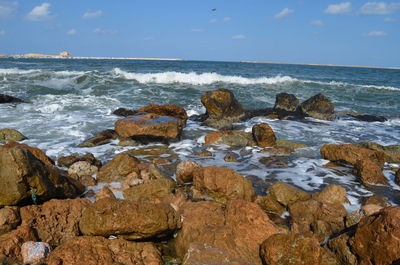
x=72 y=100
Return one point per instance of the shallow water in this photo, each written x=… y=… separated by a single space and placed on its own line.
x=73 y=99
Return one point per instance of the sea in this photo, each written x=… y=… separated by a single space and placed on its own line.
x=72 y=100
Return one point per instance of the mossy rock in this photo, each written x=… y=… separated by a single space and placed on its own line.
x=11 y=135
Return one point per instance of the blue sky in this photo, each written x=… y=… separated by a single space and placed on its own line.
x=308 y=31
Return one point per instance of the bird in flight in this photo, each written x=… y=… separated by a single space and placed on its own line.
x=214 y=9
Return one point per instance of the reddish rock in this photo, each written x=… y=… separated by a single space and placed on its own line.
x=101 y=138
x=332 y=194
x=166 y=110
x=9 y=219
x=370 y=209
x=287 y=194
x=286 y=102
x=223 y=184
x=11 y=242
x=118 y=168
x=270 y=205
x=392 y=151
x=351 y=154
x=67 y=161
x=263 y=135
x=105 y=192
x=127 y=219
x=340 y=248
x=38 y=153
x=231 y=138
x=56 y=220
x=34 y=252
x=369 y=172
x=381 y=201
x=85 y=250
x=154 y=190
x=186 y=170
x=318 y=107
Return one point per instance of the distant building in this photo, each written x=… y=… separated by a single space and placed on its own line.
x=65 y=54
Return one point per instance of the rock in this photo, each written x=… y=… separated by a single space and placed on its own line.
x=118 y=168
x=34 y=252
x=11 y=242
x=105 y=192
x=10 y=99
x=85 y=250
x=272 y=162
x=231 y=157
x=318 y=107
x=82 y=169
x=56 y=220
x=204 y=154
x=369 y=118
x=369 y=172
x=222 y=109
x=381 y=201
x=9 y=219
x=149 y=125
x=288 y=144
x=127 y=219
x=286 y=194
x=38 y=153
x=287 y=102
x=370 y=209
x=340 y=248
x=231 y=138
x=397 y=177
x=223 y=184
x=270 y=205
x=186 y=170
x=392 y=151
x=28 y=179
x=350 y=154
x=67 y=161
x=263 y=135
x=150 y=191
x=332 y=194
x=103 y=137
x=87 y=181
x=166 y=110
x=124 y=112
x=11 y=135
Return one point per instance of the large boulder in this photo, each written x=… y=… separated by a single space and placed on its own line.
x=9 y=219
x=11 y=135
x=154 y=190
x=118 y=168
x=10 y=99
x=11 y=243
x=88 y=250
x=56 y=220
x=263 y=135
x=30 y=180
x=368 y=172
x=318 y=107
x=166 y=110
x=286 y=102
x=38 y=153
x=230 y=137
x=287 y=194
x=392 y=151
x=127 y=219
x=101 y=138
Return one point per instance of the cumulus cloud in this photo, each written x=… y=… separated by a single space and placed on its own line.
x=212 y=21
x=7 y=9
x=284 y=13
x=340 y=8
x=40 y=13
x=100 y=31
x=379 y=8
x=389 y=20
x=89 y=15
x=72 y=32
x=197 y=30
x=317 y=23
x=226 y=19
x=376 y=34
x=239 y=37
x=3 y=32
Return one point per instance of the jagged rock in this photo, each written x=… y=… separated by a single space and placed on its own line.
x=368 y=172
x=318 y=107
x=9 y=219
x=287 y=102
x=231 y=138
x=118 y=168
x=332 y=194
x=101 y=138
x=392 y=151
x=34 y=252
x=150 y=191
x=82 y=169
x=263 y=135
x=287 y=194
x=166 y=110
x=11 y=242
x=105 y=192
x=10 y=99
x=381 y=201
x=186 y=170
x=67 y=161
x=124 y=112
x=38 y=153
x=269 y=204
x=11 y=135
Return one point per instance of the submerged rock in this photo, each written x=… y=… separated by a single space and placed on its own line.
x=231 y=138
x=124 y=112
x=101 y=138
x=263 y=135
x=318 y=107
x=11 y=135
x=10 y=99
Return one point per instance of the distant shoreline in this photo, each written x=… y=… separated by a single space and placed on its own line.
x=334 y=65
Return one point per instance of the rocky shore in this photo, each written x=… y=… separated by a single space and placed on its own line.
x=161 y=210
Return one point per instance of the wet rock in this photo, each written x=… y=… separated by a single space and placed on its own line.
x=369 y=172
x=28 y=179
x=10 y=99
x=124 y=112
x=222 y=108
x=381 y=201
x=287 y=194
x=332 y=194
x=204 y=154
x=318 y=107
x=288 y=144
x=105 y=192
x=9 y=219
x=263 y=135
x=231 y=138
x=186 y=170
x=150 y=191
x=118 y=168
x=88 y=250
x=11 y=242
x=38 y=153
x=272 y=162
x=223 y=184
x=56 y=220
x=287 y=102
x=11 y=135
x=127 y=219
x=103 y=137
x=397 y=177
x=392 y=151
x=350 y=154
x=82 y=169
x=34 y=252
x=369 y=118
x=67 y=161
x=230 y=157
x=166 y=110
x=270 y=205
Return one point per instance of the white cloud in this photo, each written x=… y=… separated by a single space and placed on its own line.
x=340 y=8
x=100 y=31
x=40 y=13
x=226 y=19
x=7 y=9
x=3 y=32
x=376 y=34
x=284 y=13
x=389 y=19
x=89 y=15
x=197 y=30
x=212 y=21
x=379 y=8
x=317 y=23
x=72 y=32
x=239 y=37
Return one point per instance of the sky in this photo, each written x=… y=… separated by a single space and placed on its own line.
x=303 y=31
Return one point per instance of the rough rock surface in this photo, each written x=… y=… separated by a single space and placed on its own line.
x=286 y=102
x=186 y=170
x=11 y=135
x=82 y=169
x=85 y=250
x=166 y=110
x=10 y=243
x=392 y=151
x=263 y=135
x=34 y=252
x=332 y=194
x=318 y=107
x=369 y=172
x=105 y=192
x=127 y=219
x=287 y=194
x=101 y=138
x=231 y=138
x=38 y=153
x=9 y=219
x=154 y=190
x=67 y=161
x=269 y=204
x=118 y=168
x=397 y=177
x=124 y=112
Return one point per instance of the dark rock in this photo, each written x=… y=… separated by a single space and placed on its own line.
x=397 y=177
x=263 y=135
x=67 y=161
x=318 y=107
x=103 y=137
x=124 y=112
x=287 y=102
x=231 y=157
x=369 y=118
x=10 y=99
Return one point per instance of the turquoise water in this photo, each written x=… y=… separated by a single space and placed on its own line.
x=72 y=100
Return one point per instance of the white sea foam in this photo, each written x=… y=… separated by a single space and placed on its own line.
x=343 y=84
x=16 y=71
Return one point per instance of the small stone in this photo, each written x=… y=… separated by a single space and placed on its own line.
x=34 y=252
x=103 y=137
x=231 y=157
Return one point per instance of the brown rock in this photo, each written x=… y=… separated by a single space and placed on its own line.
x=85 y=250
x=67 y=161
x=270 y=205
x=332 y=194
x=350 y=154
x=231 y=157
x=38 y=153
x=118 y=168
x=127 y=219
x=340 y=248
x=381 y=201
x=11 y=135
x=278 y=151
x=82 y=169
x=166 y=110
x=272 y=162
x=221 y=103
x=289 y=144
x=223 y=184
x=186 y=170
x=369 y=173
x=9 y=219
x=34 y=252
x=150 y=191
x=392 y=151
x=318 y=107
x=287 y=102
x=287 y=194
x=263 y=135
x=105 y=192
x=397 y=177
x=204 y=153
x=370 y=209
x=56 y=220
x=101 y=138
x=88 y=181
x=231 y=138
x=11 y=242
